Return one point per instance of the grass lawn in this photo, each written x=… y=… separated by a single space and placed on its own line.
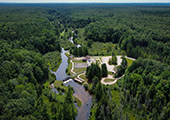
x=69 y=68
x=78 y=61
x=110 y=73
x=78 y=101
x=84 y=77
x=129 y=61
x=109 y=80
x=76 y=70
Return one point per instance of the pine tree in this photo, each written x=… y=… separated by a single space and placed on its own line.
x=104 y=70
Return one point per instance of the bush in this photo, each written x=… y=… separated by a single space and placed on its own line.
x=52 y=81
x=60 y=93
x=66 y=69
x=110 y=61
x=86 y=87
x=58 y=88
x=63 y=90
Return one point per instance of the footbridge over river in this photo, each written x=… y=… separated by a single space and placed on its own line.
x=70 y=78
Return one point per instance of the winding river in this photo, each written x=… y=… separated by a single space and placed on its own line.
x=85 y=97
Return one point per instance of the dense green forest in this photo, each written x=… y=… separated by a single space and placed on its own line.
x=29 y=42
x=142 y=94
x=142 y=31
x=31 y=37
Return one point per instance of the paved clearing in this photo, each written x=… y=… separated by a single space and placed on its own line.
x=111 y=67
x=81 y=65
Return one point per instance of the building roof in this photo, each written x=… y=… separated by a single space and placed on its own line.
x=87 y=56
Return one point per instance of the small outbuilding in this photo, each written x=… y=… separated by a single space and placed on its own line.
x=87 y=57
x=71 y=56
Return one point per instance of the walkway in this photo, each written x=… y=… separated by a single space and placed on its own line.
x=80 y=77
x=110 y=77
x=72 y=67
x=80 y=73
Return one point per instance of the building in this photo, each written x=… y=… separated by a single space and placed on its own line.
x=87 y=57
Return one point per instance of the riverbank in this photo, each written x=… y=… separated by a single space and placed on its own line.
x=53 y=59
x=79 y=91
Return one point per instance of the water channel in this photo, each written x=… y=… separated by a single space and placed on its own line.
x=80 y=93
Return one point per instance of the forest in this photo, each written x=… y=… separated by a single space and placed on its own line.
x=29 y=42
x=31 y=38
x=141 y=94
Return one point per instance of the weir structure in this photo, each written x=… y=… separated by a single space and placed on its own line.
x=69 y=78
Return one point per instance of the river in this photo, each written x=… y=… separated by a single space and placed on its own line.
x=85 y=97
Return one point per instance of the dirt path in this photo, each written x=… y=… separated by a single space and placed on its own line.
x=110 y=77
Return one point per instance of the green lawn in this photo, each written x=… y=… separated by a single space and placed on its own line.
x=78 y=61
x=110 y=73
x=70 y=67
x=109 y=80
x=84 y=77
x=77 y=70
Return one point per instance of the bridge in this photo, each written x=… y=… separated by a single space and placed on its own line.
x=69 y=78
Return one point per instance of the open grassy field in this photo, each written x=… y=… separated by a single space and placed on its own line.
x=77 y=70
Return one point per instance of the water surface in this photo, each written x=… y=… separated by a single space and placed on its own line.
x=85 y=97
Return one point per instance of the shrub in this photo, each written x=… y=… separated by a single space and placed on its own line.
x=86 y=87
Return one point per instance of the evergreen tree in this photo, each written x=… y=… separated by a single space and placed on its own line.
x=93 y=70
x=104 y=70
x=75 y=51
